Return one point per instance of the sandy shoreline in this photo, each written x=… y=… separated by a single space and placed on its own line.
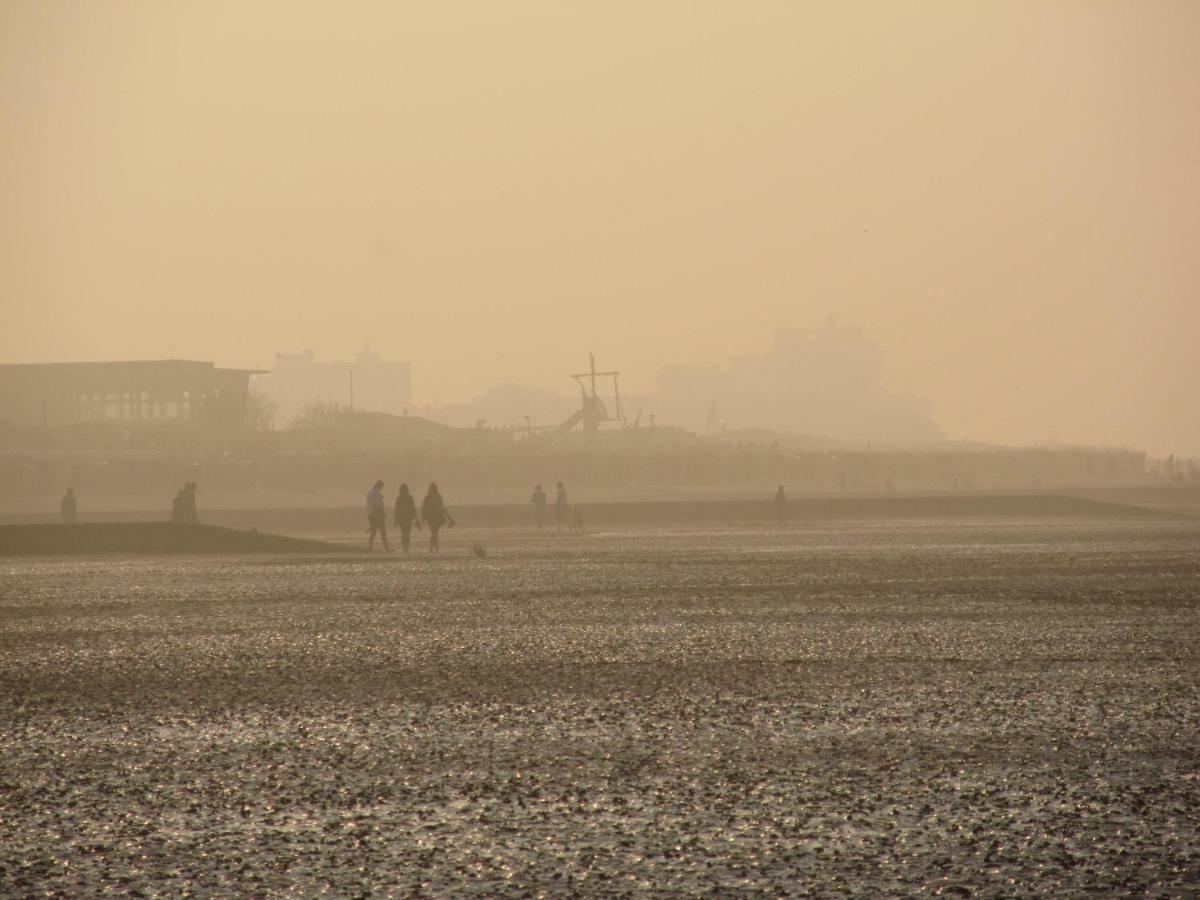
x=1004 y=707
x=327 y=520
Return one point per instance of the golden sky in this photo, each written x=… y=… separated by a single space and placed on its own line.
x=1004 y=195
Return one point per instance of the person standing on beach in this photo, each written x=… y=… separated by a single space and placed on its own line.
x=377 y=517
x=781 y=505
x=187 y=506
x=560 y=506
x=405 y=515
x=68 y=507
x=435 y=515
x=539 y=505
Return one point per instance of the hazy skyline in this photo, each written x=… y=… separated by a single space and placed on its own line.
x=1003 y=196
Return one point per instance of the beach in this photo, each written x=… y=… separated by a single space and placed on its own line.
x=967 y=705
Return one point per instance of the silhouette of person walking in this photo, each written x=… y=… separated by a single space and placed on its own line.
x=68 y=506
x=183 y=507
x=377 y=517
x=435 y=515
x=560 y=506
x=189 y=504
x=781 y=505
x=539 y=505
x=405 y=515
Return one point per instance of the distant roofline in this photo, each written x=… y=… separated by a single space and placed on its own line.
x=130 y=362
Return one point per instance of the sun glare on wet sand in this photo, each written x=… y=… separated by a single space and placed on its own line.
x=991 y=707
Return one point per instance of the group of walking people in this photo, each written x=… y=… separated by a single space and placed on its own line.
x=433 y=514
x=405 y=516
x=564 y=515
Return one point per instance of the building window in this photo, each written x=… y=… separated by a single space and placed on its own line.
x=91 y=407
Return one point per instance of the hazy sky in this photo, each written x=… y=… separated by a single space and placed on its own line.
x=1005 y=195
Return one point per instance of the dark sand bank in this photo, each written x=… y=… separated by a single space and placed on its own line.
x=1176 y=498
x=333 y=520
x=145 y=538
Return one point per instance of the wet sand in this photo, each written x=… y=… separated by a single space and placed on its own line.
x=993 y=707
x=145 y=538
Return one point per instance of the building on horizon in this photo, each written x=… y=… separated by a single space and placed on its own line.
x=369 y=383
x=827 y=382
x=135 y=392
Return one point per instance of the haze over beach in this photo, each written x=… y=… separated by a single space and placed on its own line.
x=642 y=449
x=1000 y=195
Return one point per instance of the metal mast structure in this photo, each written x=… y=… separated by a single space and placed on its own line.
x=592 y=412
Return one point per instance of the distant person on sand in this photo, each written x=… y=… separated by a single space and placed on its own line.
x=405 y=515
x=68 y=506
x=781 y=505
x=189 y=504
x=183 y=507
x=539 y=505
x=560 y=506
x=377 y=517
x=435 y=515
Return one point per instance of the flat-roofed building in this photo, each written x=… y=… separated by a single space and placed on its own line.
x=142 y=392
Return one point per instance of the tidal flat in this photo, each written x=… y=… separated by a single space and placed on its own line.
x=973 y=708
